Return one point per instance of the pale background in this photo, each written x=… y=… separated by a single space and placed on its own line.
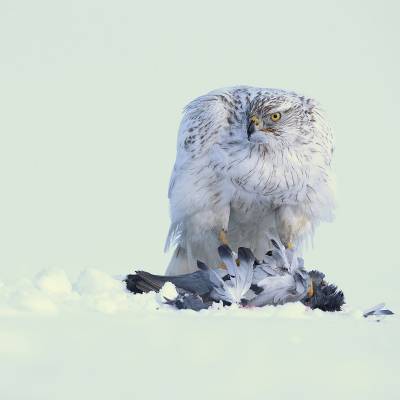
x=91 y=96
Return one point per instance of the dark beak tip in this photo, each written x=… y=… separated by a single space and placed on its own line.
x=250 y=129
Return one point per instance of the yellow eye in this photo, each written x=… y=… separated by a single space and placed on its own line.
x=276 y=116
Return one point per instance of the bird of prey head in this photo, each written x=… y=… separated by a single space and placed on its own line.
x=280 y=118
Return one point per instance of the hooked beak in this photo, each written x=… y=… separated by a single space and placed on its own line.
x=250 y=129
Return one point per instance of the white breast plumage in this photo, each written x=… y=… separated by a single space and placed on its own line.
x=248 y=183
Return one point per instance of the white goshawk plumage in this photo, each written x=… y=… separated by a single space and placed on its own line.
x=252 y=164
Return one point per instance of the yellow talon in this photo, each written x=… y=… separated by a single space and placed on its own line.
x=222 y=237
x=310 y=290
x=290 y=246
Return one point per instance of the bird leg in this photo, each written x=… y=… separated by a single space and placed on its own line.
x=310 y=289
x=288 y=238
x=222 y=237
x=293 y=225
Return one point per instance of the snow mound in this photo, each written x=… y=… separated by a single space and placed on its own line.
x=52 y=292
x=54 y=282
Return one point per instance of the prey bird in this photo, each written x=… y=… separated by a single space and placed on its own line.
x=278 y=279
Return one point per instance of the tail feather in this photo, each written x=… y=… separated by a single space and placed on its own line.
x=155 y=281
x=179 y=263
x=143 y=282
x=188 y=251
x=174 y=234
x=136 y=285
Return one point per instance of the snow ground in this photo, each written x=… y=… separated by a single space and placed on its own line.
x=92 y=340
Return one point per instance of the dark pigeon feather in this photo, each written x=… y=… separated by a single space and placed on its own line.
x=326 y=297
x=197 y=282
x=188 y=301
